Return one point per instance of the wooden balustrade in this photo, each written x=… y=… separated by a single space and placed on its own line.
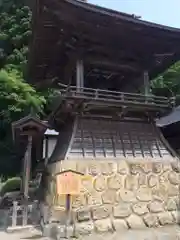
x=116 y=97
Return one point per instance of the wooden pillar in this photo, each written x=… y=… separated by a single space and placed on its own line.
x=146 y=83
x=79 y=75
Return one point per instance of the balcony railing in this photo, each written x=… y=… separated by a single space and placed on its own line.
x=116 y=98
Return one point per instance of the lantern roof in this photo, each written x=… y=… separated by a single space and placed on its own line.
x=28 y=125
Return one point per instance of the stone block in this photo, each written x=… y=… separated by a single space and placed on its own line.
x=174 y=178
x=59 y=200
x=143 y=179
x=84 y=228
x=109 y=196
x=157 y=167
x=160 y=192
x=171 y=205
x=68 y=165
x=131 y=182
x=173 y=190
x=156 y=206
x=165 y=218
x=94 y=168
x=135 y=222
x=176 y=166
x=151 y=220
x=141 y=167
x=86 y=185
x=119 y=224
x=101 y=212
x=176 y=216
x=163 y=178
x=107 y=168
x=100 y=183
x=58 y=215
x=144 y=194
x=135 y=168
x=115 y=182
x=122 y=210
x=167 y=167
x=81 y=167
x=94 y=198
x=78 y=201
x=140 y=208
x=123 y=167
x=102 y=226
x=146 y=167
x=127 y=196
x=177 y=200
x=152 y=180
x=83 y=214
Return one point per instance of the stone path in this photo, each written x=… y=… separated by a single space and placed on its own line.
x=164 y=233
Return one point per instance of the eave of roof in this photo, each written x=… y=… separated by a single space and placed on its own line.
x=120 y=15
x=171 y=118
x=100 y=11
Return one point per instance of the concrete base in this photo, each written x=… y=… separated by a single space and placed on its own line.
x=161 y=233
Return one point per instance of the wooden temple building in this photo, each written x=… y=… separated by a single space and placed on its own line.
x=102 y=62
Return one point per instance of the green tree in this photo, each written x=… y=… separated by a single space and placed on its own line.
x=14 y=33
x=17 y=97
x=168 y=83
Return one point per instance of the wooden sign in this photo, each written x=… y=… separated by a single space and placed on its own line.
x=68 y=183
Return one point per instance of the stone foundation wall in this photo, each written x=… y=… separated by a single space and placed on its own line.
x=120 y=195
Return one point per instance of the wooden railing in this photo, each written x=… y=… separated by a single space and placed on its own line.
x=116 y=97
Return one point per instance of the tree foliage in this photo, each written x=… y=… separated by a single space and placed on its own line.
x=168 y=83
x=17 y=97
x=14 y=33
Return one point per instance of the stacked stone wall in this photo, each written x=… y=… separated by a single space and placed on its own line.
x=120 y=195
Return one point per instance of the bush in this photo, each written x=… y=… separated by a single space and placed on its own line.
x=11 y=185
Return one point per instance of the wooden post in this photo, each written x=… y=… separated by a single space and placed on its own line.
x=68 y=213
x=146 y=83
x=79 y=75
x=27 y=167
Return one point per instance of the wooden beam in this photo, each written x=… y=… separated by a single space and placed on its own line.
x=109 y=51
x=114 y=65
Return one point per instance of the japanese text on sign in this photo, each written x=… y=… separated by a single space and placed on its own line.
x=68 y=183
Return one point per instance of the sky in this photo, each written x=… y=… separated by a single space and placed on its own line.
x=166 y=12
